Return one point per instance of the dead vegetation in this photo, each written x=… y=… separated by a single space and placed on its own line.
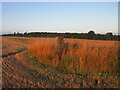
x=78 y=55
x=79 y=66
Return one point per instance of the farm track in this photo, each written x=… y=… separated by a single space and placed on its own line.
x=21 y=70
x=13 y=53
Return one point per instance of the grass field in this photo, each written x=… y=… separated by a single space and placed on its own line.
x=37 y=62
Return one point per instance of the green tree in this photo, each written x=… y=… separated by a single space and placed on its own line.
x=91 y=35
x=109 y=35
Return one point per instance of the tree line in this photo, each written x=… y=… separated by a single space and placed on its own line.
x=90 y=35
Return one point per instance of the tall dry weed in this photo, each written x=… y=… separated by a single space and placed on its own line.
x=76 y=56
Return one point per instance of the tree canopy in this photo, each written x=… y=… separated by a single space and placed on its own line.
x=90 y=35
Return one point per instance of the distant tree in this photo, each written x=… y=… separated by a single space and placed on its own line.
x=14 y=33
x=91 y=35
x=91 y=32
x=25 y=33
x=17 y=33
x=109 y=35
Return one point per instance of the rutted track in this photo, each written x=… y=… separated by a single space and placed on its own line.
x=13 y=53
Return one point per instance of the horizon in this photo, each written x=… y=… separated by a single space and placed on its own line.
x=58 y=32
x=73 y=17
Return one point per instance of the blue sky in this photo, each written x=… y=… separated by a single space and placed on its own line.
x=78 y=17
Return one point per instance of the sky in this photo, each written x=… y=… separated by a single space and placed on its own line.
x=74 y=17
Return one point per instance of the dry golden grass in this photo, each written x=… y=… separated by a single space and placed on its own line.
x=23 y=70
x=78 y=55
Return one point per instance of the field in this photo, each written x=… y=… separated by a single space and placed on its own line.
x=39 y=62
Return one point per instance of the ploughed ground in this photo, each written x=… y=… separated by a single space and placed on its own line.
x=20 y=70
